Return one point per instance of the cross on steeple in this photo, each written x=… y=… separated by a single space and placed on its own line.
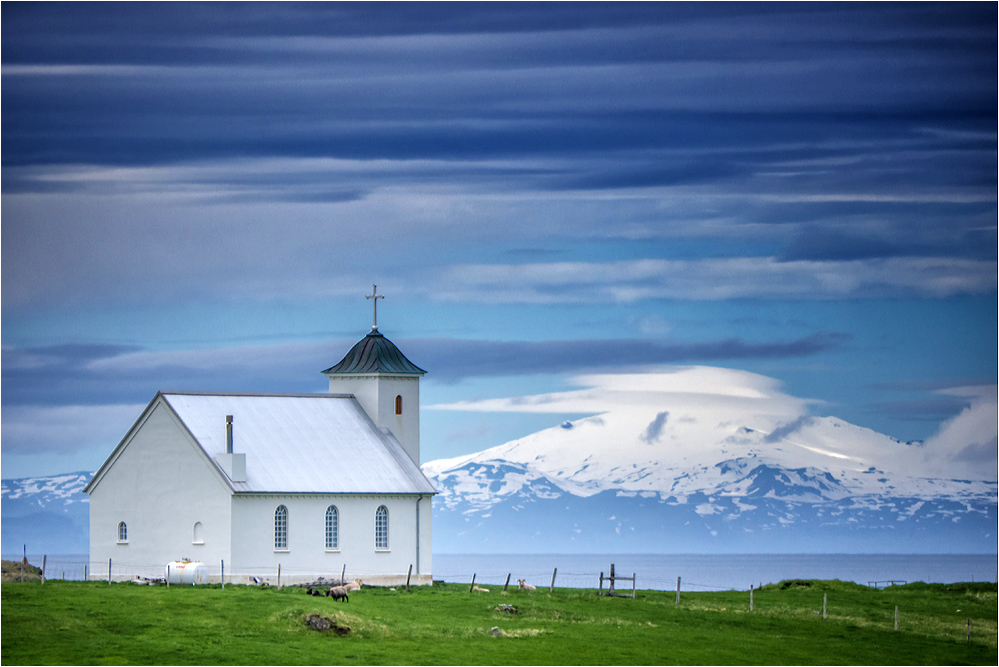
x=374 y=296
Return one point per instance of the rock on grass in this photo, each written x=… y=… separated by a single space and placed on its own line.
x=323 y=624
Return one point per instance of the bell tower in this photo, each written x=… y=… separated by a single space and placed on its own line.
x=385 y=383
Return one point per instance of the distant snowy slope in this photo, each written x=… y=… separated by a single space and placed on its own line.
x=46 y=514
x=608 y=453
x=722 y=450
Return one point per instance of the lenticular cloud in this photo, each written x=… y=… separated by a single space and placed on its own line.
x=677 y=420
x=968 y=443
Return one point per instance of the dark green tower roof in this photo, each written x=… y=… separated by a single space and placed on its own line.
x=375 y=354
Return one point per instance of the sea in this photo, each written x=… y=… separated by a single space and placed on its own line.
x=707 y=572
x=695 y=572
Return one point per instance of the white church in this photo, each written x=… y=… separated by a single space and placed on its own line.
x=250 y=485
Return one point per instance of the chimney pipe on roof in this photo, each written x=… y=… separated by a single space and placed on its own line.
x=233 y=465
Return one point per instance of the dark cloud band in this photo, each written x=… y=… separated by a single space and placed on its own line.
x=102 y=374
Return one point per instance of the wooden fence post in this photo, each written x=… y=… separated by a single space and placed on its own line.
x=750 y=597
x=222 y=576
x=507 y=581
x=472 y=587
x=408 y=575
x=551 y=589
x=44 y=558
x=610 y=587
x=634 y=576
x=279 y=576
x=678 y=590
x=343 y=573
x=824 y=596
x=896 y=617
x=600 y=589
x=969 y=629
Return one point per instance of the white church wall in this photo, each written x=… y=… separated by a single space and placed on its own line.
x=377 y=395
x=405 y=427
x=306 y=556
x=160 y=486
x=426 y=564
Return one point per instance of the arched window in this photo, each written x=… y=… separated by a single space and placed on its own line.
x=381 y=528
x=332 y=527
x=122 y=533
x=281 y=527
x=199 y=537
x=398 y=405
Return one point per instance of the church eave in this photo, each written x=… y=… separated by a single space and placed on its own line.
x=159 y=399
x=352 y=494
x=369 y=374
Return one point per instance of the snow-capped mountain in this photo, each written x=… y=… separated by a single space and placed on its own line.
x=702 y=460
x=46 y=514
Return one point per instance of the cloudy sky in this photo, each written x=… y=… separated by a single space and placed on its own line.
x=199 y=197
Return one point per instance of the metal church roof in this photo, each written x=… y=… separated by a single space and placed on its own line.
x=375 y=354
x=301 y=443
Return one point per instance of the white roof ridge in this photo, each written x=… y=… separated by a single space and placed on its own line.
x=256 y=393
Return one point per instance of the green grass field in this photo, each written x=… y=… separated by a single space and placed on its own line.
x=64 y=622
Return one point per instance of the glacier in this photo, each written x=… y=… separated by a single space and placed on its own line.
x=703 y=460
x=46 y=514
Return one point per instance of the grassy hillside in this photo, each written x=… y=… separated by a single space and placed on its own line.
x=12 y=570
x=94 y=623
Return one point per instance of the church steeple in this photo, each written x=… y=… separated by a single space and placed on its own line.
x=385 y=383
x=375 y=354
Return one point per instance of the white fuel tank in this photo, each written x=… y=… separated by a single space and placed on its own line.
x=185 y=572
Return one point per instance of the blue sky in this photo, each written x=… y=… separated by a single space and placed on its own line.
x=198 y=196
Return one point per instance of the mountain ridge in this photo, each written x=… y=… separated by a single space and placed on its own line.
x=46 y=514
x=744 y=465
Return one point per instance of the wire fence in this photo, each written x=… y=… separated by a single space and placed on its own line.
x=712 y=572
x=61 y=567
x=652 y=573
x=563 y=579
x=78 y=569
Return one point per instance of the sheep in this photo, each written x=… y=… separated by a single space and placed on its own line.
x=313 y=591
x=338 y=593
x=480 y=590
x=354 y=585
x=522 y=585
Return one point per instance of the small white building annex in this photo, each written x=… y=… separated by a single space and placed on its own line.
x=312 y=483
